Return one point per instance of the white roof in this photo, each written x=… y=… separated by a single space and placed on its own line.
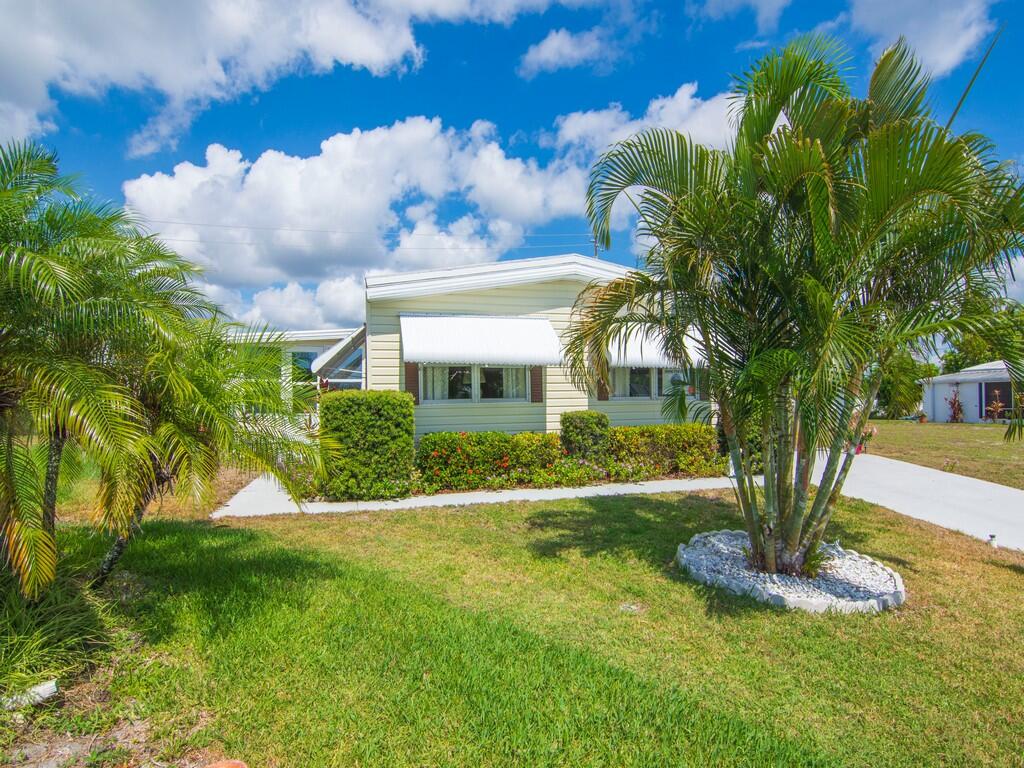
x=479 y=339
x=321 y=334
x=337 y=352
x=492 y=275
x=991 y=371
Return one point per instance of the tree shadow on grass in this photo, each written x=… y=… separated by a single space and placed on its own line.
x=647 y=528
x=1016 y=568
x=223 y=575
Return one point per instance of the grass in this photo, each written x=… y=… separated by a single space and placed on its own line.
x=974 y=450
x=70 y=623
x=551 y=634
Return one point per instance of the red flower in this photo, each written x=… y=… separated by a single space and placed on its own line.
x=434 y=454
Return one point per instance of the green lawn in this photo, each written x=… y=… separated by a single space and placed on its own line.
x=549 y=634
x=975 y=450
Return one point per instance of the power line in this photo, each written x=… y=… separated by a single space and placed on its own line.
x=401 y=247
x=341 y=231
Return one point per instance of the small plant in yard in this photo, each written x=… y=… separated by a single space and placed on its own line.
x=994 y=410
x=956 y=407
x=866 y=437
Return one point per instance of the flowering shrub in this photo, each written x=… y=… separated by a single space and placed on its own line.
x=956 y=407
x=460 y=461
x=463 y=461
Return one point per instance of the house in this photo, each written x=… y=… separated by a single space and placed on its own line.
x=480 y=347
x=981 y=389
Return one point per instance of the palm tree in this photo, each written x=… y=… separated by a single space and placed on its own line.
x=835 y=233
x=212 y=398
x=108 y=351
x=76 y=279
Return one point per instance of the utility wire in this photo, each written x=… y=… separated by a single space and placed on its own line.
x=341 y=231
x=400 y=247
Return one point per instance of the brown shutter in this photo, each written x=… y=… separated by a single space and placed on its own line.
x=536 y=384
x=602 y=391
x=412 y=381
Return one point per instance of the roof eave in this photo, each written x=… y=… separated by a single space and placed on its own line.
x=494 y=275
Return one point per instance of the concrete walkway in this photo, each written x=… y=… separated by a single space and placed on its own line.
x=263 y=496
x=976 y=507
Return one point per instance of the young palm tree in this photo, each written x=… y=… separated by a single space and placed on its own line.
x=214 y=397
x=835 y=233
x=76 y=279
x=107 y=351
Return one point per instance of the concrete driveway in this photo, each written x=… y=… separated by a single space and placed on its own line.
x=976 y=507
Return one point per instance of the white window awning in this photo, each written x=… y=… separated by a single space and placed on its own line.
x=642 y=350
x=477 y=339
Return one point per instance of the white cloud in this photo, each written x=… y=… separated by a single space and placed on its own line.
x=195 y=52
x=296 y=235
x=942 y=32
x=1015 y=288
x=767 y=12
x=704 y=120
x=562 y=49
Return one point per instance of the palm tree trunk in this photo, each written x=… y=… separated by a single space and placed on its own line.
x=53 y=457
x=113 y=555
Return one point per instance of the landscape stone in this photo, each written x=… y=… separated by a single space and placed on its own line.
x=848 y=582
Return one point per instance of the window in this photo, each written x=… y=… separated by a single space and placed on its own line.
x=302 y=363
x=447 y=382
x=348 y=374
x=668 y=380
x=631 y=382
x=997 y=400
x=507 y=383
x=639 y=382
x=473 y=382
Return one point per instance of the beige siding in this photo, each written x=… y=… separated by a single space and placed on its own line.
x=630 y=410
x=553 y=300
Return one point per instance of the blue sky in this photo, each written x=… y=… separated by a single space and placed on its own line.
x=290 y=148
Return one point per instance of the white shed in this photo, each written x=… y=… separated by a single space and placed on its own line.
x=980 y=386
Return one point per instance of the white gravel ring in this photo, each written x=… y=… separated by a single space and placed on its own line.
x=848 y=582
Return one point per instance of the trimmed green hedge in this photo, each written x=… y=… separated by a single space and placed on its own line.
x=374 y=432
x=585 y=434
x=665 y=449
x=460 y=461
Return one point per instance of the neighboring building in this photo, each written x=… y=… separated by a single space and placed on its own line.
x=480 y=347
x=980 y=386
